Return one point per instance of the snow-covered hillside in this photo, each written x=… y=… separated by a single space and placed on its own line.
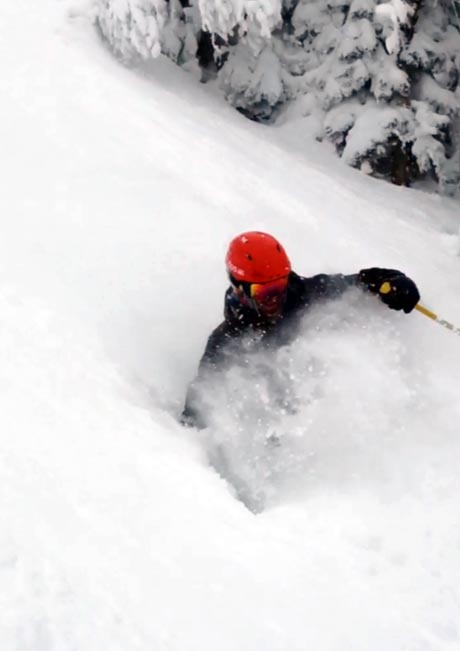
x=120 y=190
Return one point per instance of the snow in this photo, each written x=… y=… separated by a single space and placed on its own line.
x=120 y=191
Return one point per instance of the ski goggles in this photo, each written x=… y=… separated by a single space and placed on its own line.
x=263 y=293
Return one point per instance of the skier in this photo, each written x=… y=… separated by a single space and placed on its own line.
x=268 y=298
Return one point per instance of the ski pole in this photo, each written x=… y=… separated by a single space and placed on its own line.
x=386 y=288
x=435 y=317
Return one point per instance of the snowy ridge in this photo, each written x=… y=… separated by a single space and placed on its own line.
x=120 y=191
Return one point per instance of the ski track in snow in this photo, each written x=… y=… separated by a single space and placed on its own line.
x=120 y=190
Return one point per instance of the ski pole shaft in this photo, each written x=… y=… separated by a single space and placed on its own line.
x=426 y=312
x=386 y=288
x=431 y=315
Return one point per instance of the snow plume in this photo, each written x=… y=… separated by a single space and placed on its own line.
x=329 y=411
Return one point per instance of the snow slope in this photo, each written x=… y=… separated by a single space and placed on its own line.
x=120 y=190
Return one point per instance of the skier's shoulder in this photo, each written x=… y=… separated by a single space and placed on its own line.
x=321 y=284
x=305 y=285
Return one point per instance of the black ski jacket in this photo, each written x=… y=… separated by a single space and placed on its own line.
x=302 y=293
x=240 y=319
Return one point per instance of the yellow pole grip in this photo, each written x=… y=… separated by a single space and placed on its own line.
x=424 y=310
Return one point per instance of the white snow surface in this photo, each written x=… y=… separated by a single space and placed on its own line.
x=120 y=190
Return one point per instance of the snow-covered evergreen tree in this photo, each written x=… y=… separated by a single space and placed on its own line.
x=384 y=78
x=432 y=57
x=143 y=29
x=380 y=78
x=354 y=76
x=251 y=78
x=252 y=82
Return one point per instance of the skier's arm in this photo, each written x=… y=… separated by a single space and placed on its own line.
x=192 y=416
x=393 y=287
x=211 y=360
x=330 y=286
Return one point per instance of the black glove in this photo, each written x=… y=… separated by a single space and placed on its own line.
x=394 y=288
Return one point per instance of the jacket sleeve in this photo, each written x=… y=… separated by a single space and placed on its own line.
x=401 y=292
x=330 y=286
x=212 y=358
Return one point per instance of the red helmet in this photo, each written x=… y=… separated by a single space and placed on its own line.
x=256 y=257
